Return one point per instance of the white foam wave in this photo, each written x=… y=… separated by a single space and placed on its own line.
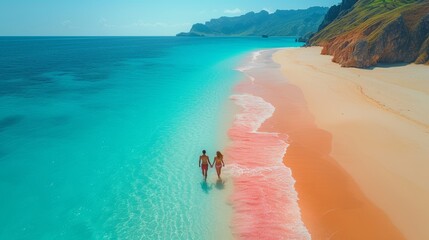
x=252 y=79
x=244 y=68
x=266 y=203
x=253 y=114
x=255 y=55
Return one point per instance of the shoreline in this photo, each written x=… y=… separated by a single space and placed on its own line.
x=357 y=144
x=264 y=196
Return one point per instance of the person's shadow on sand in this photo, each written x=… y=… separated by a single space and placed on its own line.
x=206 y=187
x=220 y=184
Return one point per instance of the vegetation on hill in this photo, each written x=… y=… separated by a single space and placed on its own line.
x=279 y=23
x=337 y=11
x=377 y=31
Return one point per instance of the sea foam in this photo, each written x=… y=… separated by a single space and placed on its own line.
x=264 y=199
x=255 y=55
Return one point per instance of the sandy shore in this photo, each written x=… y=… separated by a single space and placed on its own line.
x=359 y=145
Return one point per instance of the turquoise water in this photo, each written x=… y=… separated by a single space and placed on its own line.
x=100 y=137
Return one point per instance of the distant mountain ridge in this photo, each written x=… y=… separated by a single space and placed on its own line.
x=362 y=33
x=279 y=23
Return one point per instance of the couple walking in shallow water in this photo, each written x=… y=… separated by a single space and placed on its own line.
x=204 y=163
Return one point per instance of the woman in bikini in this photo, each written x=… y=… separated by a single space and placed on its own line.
x=218 y=162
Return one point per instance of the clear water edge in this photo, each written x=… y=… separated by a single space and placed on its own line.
x=94 y=148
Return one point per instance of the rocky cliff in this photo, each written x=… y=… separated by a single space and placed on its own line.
x=378 y=31
x=279 y=23
x=337 y=11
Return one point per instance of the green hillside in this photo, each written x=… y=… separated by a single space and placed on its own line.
x=378 y=31
x=279 y=23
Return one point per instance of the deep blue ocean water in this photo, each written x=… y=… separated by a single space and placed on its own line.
x=100 y=136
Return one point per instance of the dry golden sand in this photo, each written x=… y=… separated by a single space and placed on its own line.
x=359 y=145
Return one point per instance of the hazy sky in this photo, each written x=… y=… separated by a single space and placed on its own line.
x=127 y=17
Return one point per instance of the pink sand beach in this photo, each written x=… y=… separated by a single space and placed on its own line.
x=324 y=152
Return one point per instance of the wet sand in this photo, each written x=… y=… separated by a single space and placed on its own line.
x=358 y=144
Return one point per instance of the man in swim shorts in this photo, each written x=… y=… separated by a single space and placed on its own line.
x=204 y=164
